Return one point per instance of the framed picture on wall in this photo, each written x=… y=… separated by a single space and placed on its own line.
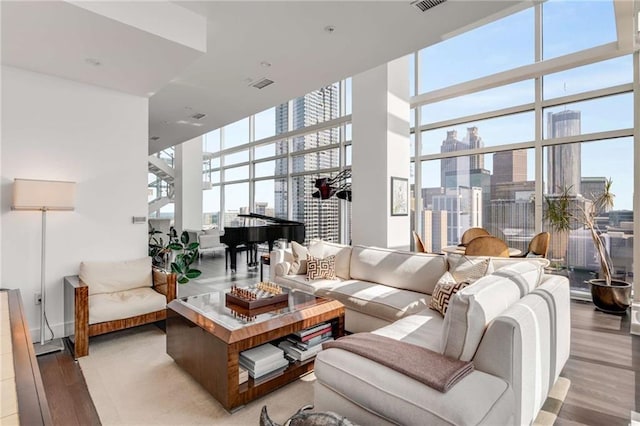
x=399 y=196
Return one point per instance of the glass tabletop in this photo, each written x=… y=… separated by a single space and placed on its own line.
x=215 y=307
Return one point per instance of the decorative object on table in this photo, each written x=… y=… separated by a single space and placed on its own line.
x=399 y=196
x=338 y=186
x=262 y=294
x=44 y=195
x=564 y=212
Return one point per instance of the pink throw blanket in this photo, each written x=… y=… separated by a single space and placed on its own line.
x=426 y=366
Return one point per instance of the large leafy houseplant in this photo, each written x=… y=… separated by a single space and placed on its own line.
x=181 y=250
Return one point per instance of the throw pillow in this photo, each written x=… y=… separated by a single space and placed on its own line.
x=444 y=290
x=318 y=269
x=299 y=264
x=471 y=268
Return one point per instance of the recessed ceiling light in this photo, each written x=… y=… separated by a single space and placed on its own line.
x=93 y=61
x=329 y=28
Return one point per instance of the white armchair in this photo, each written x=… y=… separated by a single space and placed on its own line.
x=209 y=241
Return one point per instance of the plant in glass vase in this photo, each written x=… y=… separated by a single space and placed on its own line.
x=565 y=212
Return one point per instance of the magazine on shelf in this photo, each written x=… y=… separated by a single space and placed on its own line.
x=299 y=354
x=277 y=365
x=261 y=355
x=311 y=342
x=310 y=330
x=265 y=378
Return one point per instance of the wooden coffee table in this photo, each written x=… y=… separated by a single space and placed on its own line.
x=204 y=337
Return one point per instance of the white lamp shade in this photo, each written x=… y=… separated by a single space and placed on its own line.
x=29 y=194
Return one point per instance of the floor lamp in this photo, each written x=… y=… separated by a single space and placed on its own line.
x=43 y=195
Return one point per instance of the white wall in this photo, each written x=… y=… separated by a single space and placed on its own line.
x=61 y=130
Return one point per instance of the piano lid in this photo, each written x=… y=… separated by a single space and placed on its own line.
x=270 y=219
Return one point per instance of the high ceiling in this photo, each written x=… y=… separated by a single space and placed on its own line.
x=154 y=50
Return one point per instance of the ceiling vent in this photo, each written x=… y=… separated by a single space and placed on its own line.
x=198 y=116
x=261 y=83
x=425 y=5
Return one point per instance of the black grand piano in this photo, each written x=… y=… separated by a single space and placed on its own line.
x=249 y=236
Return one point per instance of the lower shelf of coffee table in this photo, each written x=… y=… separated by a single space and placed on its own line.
x=211 y=356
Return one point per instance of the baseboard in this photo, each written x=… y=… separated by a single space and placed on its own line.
x=58 y=332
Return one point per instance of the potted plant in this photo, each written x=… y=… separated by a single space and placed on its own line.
x=563 y=212
x=182 y=252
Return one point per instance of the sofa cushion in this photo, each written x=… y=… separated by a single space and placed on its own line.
x=124 y=304
x=485 y=399
x=473 y=307
x=422 y=329
x=377 y=300
x=107 y=277
x=321 y=269
x=417 y=272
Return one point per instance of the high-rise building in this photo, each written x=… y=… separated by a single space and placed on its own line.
x=563 y=162
x=321 y=217
x=474 y=141
x=509 y=166
x=454 y=172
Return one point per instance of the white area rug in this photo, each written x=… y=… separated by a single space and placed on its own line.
x=133 y=381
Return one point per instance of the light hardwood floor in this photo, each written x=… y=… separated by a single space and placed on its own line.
x=604 y=367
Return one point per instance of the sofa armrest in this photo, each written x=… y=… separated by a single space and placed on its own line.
x=277 y=265
x=165 y=283
x=76 y=311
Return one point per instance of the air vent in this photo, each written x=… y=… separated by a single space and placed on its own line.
x=154 y=138
x=198 y=116
x=262 y=83
x=425 y=5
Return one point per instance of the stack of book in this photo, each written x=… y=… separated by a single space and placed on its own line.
x=263 y=362
x=306 y=344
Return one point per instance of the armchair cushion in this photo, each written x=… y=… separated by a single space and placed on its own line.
x=124 y=304
x=109 y=277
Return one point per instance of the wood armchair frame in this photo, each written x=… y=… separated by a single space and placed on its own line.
x=76 y=311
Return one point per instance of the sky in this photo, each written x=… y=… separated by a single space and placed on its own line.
x=569 y=26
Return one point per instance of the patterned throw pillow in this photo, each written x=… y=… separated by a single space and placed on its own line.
x=466 y=272
x=318 y=269
x=444 y=290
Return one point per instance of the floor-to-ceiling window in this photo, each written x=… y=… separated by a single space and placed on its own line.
x=505 y=120
x=268 y=164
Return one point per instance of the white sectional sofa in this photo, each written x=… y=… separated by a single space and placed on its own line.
x=513 y=324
